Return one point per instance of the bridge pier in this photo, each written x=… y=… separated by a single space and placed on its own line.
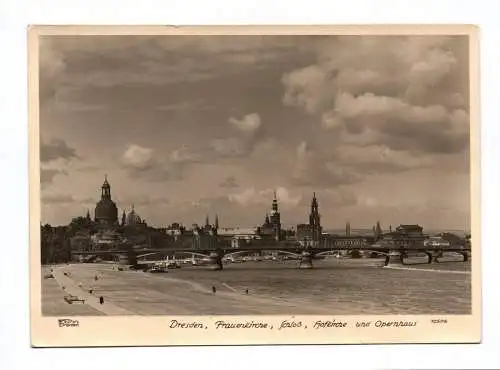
x=466 y=256
x=215 y=262
x=433 y=257
x=394 y=259
x=306 y=260
x=128 y=258
x=132 y=258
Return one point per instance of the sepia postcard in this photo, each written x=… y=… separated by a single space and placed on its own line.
x=242 y=185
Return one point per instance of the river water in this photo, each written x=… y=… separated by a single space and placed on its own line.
x=352 y=286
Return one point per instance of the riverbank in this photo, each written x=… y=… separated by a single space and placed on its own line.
x=53 y=303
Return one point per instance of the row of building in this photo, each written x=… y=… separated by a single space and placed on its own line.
x=270 y=231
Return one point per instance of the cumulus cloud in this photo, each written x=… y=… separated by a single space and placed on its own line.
x=248 y=124
x=55 y=157
x=405 y=94
x=308 y=88
x=47 y=175
x=310 y=169
x=377 y=159
x=138 y=157
x=230 y=147
x=432 y=128
x=245 y=138
x=56 y=149
x=141 y=162
x=229 y=182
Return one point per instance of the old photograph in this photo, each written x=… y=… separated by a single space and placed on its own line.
x=212 y=174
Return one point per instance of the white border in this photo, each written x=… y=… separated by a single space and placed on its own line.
x=14 y=324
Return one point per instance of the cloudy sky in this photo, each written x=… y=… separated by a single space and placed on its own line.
x=186 y=126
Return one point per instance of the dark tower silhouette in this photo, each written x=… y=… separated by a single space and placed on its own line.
x=315 y=220
x=378 y=230
x=216 y=222
x=276 y=219
x=124 y=217
x=105 y=211
x=106 y=189
x=207 y=221
x=348 y=229
x=88 y=215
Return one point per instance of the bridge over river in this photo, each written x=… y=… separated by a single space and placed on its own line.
x=305 y=255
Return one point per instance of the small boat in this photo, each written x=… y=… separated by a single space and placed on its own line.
x=158 y=269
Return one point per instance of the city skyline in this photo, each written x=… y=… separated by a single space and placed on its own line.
x=186 y=126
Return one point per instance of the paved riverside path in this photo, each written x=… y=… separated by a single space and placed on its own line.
x=71 y=287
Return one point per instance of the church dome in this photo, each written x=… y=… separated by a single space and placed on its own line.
x=106 y=211
x=132 y=218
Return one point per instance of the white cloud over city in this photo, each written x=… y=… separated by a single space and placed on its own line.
x=189 y=126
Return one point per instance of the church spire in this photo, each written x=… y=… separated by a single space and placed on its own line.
x=216 y=221
x=275 y=203
x=123 y=218
x=315 y=219
x=106 y=189
x=207 y=222
x=314 y=203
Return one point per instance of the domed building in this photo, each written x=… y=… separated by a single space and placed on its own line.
x=132 y=218
x=106 y=212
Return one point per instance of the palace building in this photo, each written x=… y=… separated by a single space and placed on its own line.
x=405 y=236
x=271 y=228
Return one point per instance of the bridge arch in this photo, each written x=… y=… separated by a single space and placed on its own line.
x=326 y=253
x=174 y=253
x=257 y=250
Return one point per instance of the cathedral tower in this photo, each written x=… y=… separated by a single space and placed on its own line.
x=276 y=218
x=315 y=219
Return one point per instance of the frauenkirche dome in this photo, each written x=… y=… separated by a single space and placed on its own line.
x=106 y=211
